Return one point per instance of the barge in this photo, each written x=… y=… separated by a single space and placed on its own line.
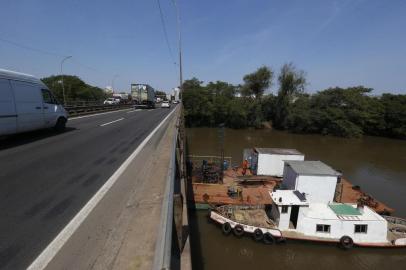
x=250 y=186
x=304 y=208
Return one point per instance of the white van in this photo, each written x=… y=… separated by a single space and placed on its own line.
x=27 y=104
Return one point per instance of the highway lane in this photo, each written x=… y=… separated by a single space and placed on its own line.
x=45 y=181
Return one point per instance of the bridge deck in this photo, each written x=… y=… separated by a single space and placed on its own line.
x=122 y=231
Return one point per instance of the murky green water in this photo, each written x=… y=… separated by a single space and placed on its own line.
x=378 y=165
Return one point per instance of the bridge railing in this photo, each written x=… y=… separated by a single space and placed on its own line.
x=163 y=249
x=88 y=109
x=395 y=220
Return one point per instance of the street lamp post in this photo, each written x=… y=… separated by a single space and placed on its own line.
x=63 y=87
x=179 y=47
x=112 y=82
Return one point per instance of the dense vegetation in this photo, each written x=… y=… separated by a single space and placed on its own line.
x=75 y=89
x=347 y=112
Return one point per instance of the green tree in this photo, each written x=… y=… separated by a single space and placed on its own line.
x=299 y=119
x=291 y=83
x=197 y=102
x=348 y=112
x=220 y=94
x=394 y=115
x=268 y=104
x=75 y=89
x=237 y=115
x=345 y=112
x=257 y=82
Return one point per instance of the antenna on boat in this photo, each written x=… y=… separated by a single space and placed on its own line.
x=221 y=137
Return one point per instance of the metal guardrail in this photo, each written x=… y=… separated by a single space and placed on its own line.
x=211 y=159
x=395 y=220
x=163 y=249
x=80 y=110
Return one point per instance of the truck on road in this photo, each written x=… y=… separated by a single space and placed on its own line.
x=143 y=95
x=27 y=104
x=121 y=97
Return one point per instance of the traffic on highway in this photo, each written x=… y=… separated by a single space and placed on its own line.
x=47 y=176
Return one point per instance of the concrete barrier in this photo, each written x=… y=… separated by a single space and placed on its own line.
x=83 y=110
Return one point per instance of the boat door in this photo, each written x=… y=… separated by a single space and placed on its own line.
x=294 y=213
x=254 y=162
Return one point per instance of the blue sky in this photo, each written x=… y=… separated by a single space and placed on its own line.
x=337 y=43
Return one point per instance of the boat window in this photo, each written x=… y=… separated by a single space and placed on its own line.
x=285 y=208
x=362 y=228
x=323 y=228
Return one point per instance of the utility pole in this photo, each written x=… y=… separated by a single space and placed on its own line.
x=63 y=87
x=112 y=82
x=180 y=48
x=221 y=138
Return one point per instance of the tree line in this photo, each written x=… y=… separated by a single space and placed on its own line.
x=345 y=112
x=75 y=89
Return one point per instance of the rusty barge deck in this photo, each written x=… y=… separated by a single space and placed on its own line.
x=255 y=190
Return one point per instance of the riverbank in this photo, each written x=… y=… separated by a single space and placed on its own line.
x=343 y=112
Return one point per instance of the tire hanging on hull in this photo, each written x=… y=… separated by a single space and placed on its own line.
x=346 y=242
x=258 y=235
x=226 y=228
x=238 y=230
x=269 y=239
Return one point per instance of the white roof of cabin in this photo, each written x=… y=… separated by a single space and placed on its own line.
x=288 y=197
x=308 y=167
x=278 y=151
x=323 y=211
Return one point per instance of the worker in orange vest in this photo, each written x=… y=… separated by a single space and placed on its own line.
x=244 y=166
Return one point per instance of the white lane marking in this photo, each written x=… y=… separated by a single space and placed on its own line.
x=91 y=115
x=108 y=123
x=59 y=241
x=137 y=110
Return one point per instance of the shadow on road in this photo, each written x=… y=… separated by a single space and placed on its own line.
x=29 y=137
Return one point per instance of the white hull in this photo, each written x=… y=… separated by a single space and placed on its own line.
x=218 y=218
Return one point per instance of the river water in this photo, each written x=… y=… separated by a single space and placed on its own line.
x=376 y=164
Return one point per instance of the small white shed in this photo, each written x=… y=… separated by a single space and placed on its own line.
x=315 y=179
x=270 y=161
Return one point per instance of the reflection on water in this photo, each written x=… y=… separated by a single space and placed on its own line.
x=378 y=165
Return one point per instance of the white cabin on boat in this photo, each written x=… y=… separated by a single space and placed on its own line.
x=305 y=209
x=292 y=212
x=270 y=161
x=315 y=179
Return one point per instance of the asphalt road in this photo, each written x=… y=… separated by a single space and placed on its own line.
x=46 y=178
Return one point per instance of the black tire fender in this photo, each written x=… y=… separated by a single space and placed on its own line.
x=238 y=230
x=269 y=239
x=258 y=234
x=346 y=242
x=226 y=228
x=281 y=240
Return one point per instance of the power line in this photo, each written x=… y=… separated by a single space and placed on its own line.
x=31 y=48
x=87 y=67
x=179 y=44
x=48 y=53
x=165 y=32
